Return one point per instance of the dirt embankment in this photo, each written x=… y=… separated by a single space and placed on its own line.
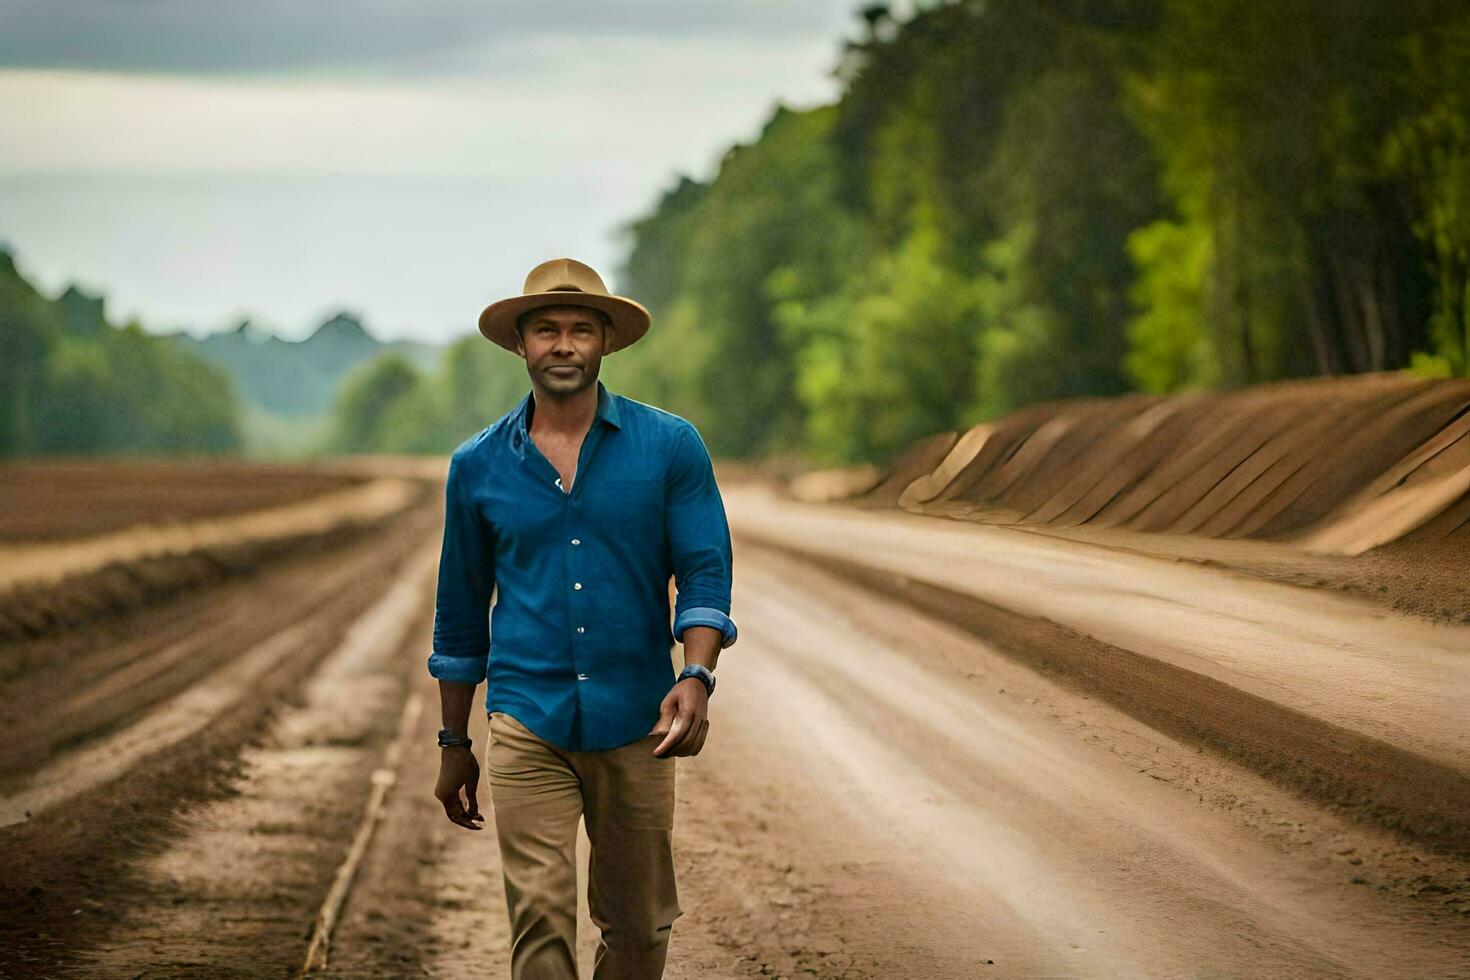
x=1366 y=480
x=50 y=586
x=63 y=499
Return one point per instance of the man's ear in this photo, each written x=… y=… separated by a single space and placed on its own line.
x=607 y=338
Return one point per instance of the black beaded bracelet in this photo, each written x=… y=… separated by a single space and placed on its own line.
x=449 y=739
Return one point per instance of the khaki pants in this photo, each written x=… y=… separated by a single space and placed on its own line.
x=538 y=792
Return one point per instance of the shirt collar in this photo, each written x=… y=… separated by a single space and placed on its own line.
x=607 y=406
x=607 y=410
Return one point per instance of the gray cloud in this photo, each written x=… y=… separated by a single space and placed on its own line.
x=265 y=36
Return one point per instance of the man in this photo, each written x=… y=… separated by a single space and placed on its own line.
x=575 y=508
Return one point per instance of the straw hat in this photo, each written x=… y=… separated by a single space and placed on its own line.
x=565 y=281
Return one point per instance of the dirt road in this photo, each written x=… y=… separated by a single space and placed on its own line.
x=1333 y=695
x=883 y=794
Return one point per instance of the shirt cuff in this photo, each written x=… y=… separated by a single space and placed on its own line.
x=460 y=670
x=706 y=616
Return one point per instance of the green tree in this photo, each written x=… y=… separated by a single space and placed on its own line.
x=1169 y=348
x=75 y=384
x=368 y=401
x=716 y=353
x=478 y=382
x=1268 y=120
x=888 y=360
x=1430 y=150
x=28 y=331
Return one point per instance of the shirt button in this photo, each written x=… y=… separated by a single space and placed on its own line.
x=576 y=585
x=576 y=541
x=581 y=629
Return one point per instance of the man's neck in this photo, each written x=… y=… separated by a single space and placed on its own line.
x=564 y=416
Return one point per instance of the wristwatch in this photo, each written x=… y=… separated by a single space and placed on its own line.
x=449 y=738
x=703 y=673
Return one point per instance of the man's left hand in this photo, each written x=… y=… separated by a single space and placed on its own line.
x=683 y=715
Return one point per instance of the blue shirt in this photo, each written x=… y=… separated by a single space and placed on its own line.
x=578 y=645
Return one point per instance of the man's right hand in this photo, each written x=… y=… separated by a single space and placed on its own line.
x=458 y=770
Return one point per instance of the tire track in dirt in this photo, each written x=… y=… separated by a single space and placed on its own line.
x=67 y=878
x=428 y=898
x=1365 y=713
x=237 y=892
x=889 y=796
x=95 y=688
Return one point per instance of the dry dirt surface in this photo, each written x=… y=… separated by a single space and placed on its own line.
x=111 y=733
x=48 y=586
x=1337 y=466
x=74 y=498
x=1358 y=484
x=896 y=783
x=1324 y=692
x=884 y=795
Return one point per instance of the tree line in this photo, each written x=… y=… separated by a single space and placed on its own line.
x=389 y=405
x=1016 y=201
x=71 y=383
x=1010 y=202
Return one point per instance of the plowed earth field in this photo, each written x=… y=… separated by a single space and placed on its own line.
x=939 y=749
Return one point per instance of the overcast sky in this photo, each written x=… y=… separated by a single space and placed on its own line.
x=203 y=161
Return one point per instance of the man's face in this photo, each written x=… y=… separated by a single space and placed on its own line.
x=563 y=347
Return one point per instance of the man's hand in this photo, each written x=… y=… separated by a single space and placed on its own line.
x=459 y=770
x=683 y=715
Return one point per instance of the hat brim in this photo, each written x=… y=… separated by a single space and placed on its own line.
x=630 y=318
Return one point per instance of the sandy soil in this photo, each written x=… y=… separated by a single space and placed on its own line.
x=1337 y=466
x=1426 y=578
x=58 y=499
x=236 y=893
x=45 y=563
x=894 y=785
x=49 y=588
x=1400 y=680
x=883 y=795
x=112 y=735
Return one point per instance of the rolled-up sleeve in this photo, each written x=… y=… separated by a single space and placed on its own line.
x=461 y=645
x=699 y=540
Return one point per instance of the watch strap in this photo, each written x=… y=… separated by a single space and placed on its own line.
x=705 y=675
x=448 y=739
